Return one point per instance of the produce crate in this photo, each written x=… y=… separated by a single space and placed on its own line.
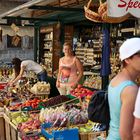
x=83 y=136
x=28 y=134
x=93 y=135
x=14 y=133
x=11 y=114
x=2 y=131
x=7 y=128
x=72 y=99
x=67 y=134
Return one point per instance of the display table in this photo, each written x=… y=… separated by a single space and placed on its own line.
x=11 y=132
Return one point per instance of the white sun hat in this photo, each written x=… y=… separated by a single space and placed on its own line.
x=129 y=48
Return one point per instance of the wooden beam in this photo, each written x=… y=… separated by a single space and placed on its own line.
x=6 y=24
x=32 y=19
x=54 y=8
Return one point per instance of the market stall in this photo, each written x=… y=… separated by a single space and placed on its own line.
x=26 y=110
x=29 y=115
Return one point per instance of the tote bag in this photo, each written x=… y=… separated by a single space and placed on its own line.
x=98 y=108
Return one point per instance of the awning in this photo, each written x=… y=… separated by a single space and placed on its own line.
x=23 y=9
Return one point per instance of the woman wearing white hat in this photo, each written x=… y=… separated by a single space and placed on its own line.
x=122 y=92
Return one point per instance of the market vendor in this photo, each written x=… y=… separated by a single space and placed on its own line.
x=27 y=65
x=70 y=71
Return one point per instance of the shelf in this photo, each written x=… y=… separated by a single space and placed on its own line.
x=47 y=48
x=90 y=73
x=48 y=40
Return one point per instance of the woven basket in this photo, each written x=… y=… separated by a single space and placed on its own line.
x=92 y=15
x=102 y=11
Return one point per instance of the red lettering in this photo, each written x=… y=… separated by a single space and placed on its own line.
x=122 y=5
x=136 y=4
x=139 y=5
x=129 y=4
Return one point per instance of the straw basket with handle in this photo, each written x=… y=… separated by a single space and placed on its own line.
x=102 y=11
x=101 y=14
x=92 y=15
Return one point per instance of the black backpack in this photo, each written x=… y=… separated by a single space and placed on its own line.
x=98 y=108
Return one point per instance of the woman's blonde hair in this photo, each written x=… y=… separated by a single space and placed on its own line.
x=68 y=44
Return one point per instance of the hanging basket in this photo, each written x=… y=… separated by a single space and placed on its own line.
x=101 y=14
x=102 y=11
x=92 y=15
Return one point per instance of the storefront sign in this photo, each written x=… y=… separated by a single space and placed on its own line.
x=119 y=8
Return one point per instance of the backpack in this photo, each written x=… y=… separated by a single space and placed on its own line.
x=98 y=108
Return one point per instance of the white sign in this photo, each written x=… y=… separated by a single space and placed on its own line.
x=119 y=8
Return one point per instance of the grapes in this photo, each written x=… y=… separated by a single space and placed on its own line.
x=56 y=100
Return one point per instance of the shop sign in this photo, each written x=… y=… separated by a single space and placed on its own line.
x=119 y=8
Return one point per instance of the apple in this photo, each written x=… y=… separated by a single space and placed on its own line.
x=79 y=86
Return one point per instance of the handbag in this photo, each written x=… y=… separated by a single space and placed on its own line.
x=98 y=108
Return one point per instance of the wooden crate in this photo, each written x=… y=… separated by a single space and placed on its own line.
x=94 y=135
x=2 y=131
x=83 y=136
x=91 y=135
x=7 y=130
x=14 y=132
x=10 y=129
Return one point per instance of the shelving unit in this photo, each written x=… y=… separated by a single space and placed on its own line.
x=88 y=49
x=50 y=47
x=118 y=34
x=46 y=47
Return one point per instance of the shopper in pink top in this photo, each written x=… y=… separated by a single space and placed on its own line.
x=70 y=71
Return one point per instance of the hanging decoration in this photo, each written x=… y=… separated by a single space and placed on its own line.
x=16 y=39
x=14 y=28
x=100 y=14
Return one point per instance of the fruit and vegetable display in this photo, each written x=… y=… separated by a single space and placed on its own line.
x=55 y=101
x=37 y=137
x=26 y=106
x=81 y=91
x=37 y=104
x=31 y=104
x=7 y=98
x=40 y=87
x=18 y=117
x=27 y=110
x=93 y=81
x=30 y=125
x=63 y=116
x=30 y=129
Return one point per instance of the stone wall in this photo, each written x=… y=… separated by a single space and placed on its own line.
x=7 y=55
